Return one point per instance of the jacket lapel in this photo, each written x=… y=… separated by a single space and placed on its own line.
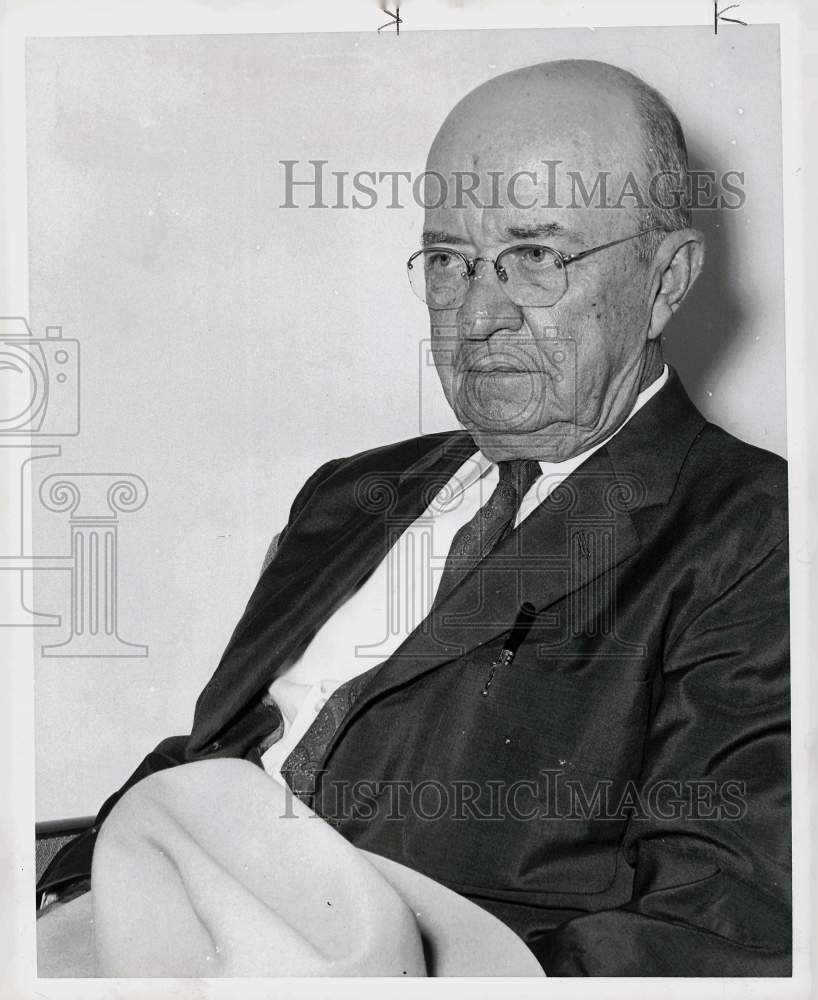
x=359 y=521
x=576 y=537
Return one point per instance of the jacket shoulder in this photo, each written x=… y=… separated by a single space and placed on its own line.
x=398 y=455
x=340 y=477
x=746 y=462
x=749 y=481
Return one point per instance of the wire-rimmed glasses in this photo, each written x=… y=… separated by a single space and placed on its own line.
x=532 y=274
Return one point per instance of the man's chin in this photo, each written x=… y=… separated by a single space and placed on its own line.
x=555 y=442
x=511 y=418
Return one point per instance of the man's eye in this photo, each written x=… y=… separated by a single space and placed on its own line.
x=536 y=257
x=439 y=260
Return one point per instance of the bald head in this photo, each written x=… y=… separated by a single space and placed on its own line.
x=591 y=117
x=536 y=100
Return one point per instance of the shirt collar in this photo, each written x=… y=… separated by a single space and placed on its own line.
x=478 y=465
x=563 y=468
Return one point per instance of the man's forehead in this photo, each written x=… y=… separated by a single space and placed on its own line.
x=499 y=223
x=535 y=191
x=455 y=228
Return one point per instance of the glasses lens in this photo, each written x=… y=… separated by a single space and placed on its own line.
x=439 y=278
x=535 y=275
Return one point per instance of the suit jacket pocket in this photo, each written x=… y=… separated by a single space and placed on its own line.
x=521 y=789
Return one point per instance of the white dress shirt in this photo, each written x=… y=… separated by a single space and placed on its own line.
x=373 y=622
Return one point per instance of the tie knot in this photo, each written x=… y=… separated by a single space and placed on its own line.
x=518 y=476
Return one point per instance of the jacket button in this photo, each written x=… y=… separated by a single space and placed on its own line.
x=215 y=745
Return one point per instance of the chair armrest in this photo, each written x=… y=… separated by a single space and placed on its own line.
x=52 y=835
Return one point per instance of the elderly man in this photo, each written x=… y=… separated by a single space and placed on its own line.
x=579 y=718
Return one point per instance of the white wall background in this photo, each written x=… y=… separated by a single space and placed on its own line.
x=213 y=365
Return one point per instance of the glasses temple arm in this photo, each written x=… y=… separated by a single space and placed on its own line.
x=568 y=258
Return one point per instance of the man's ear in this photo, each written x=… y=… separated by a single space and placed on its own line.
x=677 y=263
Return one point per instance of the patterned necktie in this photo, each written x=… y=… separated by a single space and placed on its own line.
x=490 y=525
x=470 y=545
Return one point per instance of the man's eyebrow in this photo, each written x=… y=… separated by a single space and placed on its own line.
x=436 y=237
x=433 y=237
x=547 y=229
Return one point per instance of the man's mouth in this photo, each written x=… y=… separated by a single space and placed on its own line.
x=497 y=370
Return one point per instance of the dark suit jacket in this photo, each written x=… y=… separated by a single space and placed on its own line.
x=620 y=798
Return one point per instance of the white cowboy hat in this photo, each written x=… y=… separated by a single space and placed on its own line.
x=213 y=869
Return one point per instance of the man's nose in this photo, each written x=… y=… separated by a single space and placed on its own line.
x=487 y=308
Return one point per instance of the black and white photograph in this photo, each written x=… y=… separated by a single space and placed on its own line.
x=408 y=554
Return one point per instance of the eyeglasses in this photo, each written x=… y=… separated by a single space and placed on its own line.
x=533 y=274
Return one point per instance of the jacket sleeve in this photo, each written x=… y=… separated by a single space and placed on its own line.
x=72 y=864
x=711 y=873
x=73 y=861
